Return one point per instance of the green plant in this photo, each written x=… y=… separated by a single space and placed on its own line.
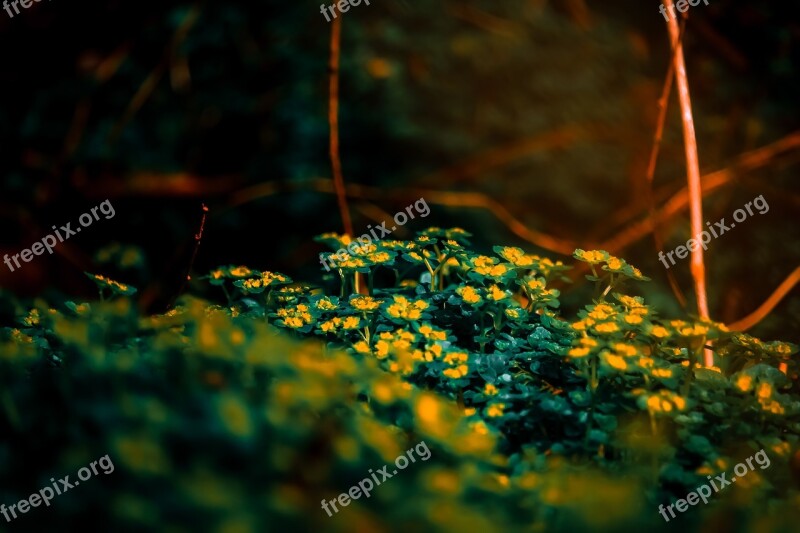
x=534 y=421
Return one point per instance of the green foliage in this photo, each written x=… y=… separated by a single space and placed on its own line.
x=244 y=417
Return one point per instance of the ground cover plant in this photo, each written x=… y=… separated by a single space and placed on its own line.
x=244 y=413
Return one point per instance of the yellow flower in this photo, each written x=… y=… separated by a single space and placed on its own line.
x=361 y=347
x=662 y=373
x=458 y=372
x=773 y=407
x=495 y=410
x=490 y=390
x=764 y=390
x=625 y=349
x=498 y=270
x=601 y=312
x=241 y=272
x=454 y=358
x=535 y=284
x=615 y=264
x=679 y=402
x=381 y=349
x=646 y=362
x=325 y=304
x=608 y=327
x=253 y=284
x=496 y=293
x=479 y=427
x=578 y=352
x=744 y=383
x=633 y=319
x=515 y=256
x=593 y=256
x=616 y=361
x=402 y=308
x=486 y=266
x=401 y=344
x=293 y=322
x=351 y=322
x=436 y=350
x=469 y=295
x=379 y=257
x=659 y=332
x=581 y=325
x=365 y=303
x=512 y=313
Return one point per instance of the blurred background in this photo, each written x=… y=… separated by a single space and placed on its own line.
x=526 y=122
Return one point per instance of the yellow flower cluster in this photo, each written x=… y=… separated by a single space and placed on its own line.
x=487 y=266
x=325 y=304
x=398 y=245
x=343 y=260
x=585 y=347
x=686 y=329
x=432 y=334
x=495 y=410
x=764 y=393
x=402 y=307
x=516 y=256
x=514 y=313
x=593 y=257
x=665 y=401
x=399 y=340
x=616 y=362
x=458 y=360
x=602 y=312
x=111 y=284
x=295 y=317
x=659 y=332
x=379 y=258
x=366 y=304
x=496 y=294
x=337 y=323
x=469 y=294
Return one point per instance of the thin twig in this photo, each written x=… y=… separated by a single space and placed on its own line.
x=692 y=169
x=764 y=309
x=651 y=168
x=333 y=121
x=197 y=238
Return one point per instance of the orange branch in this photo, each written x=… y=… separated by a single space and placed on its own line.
x=333 y=120
x=651 y=171
x=759 y=314
x=692 y=167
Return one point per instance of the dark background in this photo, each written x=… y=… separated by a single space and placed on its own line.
x=547 y=108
